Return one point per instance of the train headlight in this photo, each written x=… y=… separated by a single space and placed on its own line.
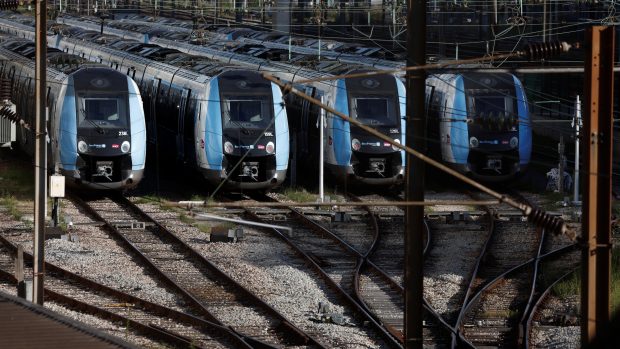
x=228 y=148
x=125 y=146
x=396 y=141
x=82 y=147
x=514 y=142
x=473 y=142
x=355 y=144
x=270 y=148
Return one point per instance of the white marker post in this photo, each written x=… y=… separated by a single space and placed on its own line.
x=577 y=130
x=321 y=149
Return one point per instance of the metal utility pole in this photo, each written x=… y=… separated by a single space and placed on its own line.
x=40 y=179
x=416 y=138
x=597 y=149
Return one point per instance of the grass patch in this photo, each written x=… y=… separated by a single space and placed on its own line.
x=299 y=195
x=10 y=202
x=550 y=200
x=17 y=181
x=205 y=228
x=185 y=219
x=507 y=313
x=571 y=286
x=149 y=199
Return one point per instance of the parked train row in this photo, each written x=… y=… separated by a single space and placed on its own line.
x=232 y=124
x=479 y=123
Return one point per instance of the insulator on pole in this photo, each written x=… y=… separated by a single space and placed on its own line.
x=553 y=224
x=544 y=50
x=5 y=89
x=7 y=113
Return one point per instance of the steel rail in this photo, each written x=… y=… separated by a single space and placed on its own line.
x=123 y=297
x=365 y=261
x=491 y=229
x=287 y=330
x=373 y=267
x=146 y=330
x=186 y=295
x=387 y=336
x=298 y=336
x=356 y=279
x=534 y=309
x=189 y=204
x=511 y=271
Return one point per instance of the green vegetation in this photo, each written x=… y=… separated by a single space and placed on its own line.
x=148 y=199
x=185 y=219
x=299 y=195
x=205 y=228
x=571 y=286
x=550 y=200
x=10 y=203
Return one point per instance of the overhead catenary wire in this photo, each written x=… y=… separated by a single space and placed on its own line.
x=535 y=215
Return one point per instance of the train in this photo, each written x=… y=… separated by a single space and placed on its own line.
x=480 y=124
x=495 y=154
x=96 y=132
x=227 y=122
x=350 y=155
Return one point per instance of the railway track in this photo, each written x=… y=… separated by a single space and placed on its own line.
x=503 y=286
x=210 y=292
x=330 y=257
x=379 y=294
x=143 y=317
x=380 y=276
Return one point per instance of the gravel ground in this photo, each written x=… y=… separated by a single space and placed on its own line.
x=102 y=325
x=260 y=262
x=265 y=265
x=91 y=256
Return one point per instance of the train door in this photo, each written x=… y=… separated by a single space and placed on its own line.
x=152 y=94
x=181 y=134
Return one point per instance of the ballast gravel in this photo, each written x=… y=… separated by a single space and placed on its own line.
x=266 y=266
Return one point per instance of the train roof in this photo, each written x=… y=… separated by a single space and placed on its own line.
x=56 y=59
x=52 y=74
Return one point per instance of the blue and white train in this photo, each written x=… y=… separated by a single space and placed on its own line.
x=228 y=122
x=481 y=123
x=349 y=153
x=96 y=125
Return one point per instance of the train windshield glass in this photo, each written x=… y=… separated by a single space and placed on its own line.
x=102 y=111
x=374 y=111
x=249 y=113
x=490 y=104
x=492 y=112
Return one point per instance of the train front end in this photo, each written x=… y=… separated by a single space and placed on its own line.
x=102 y=132
x=244 y=137
x=351 y=153
x=498 y=128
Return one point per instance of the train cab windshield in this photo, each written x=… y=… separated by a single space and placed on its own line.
x=375 y=111
x=246 y=113
x=102 y=112
x=492 y=113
